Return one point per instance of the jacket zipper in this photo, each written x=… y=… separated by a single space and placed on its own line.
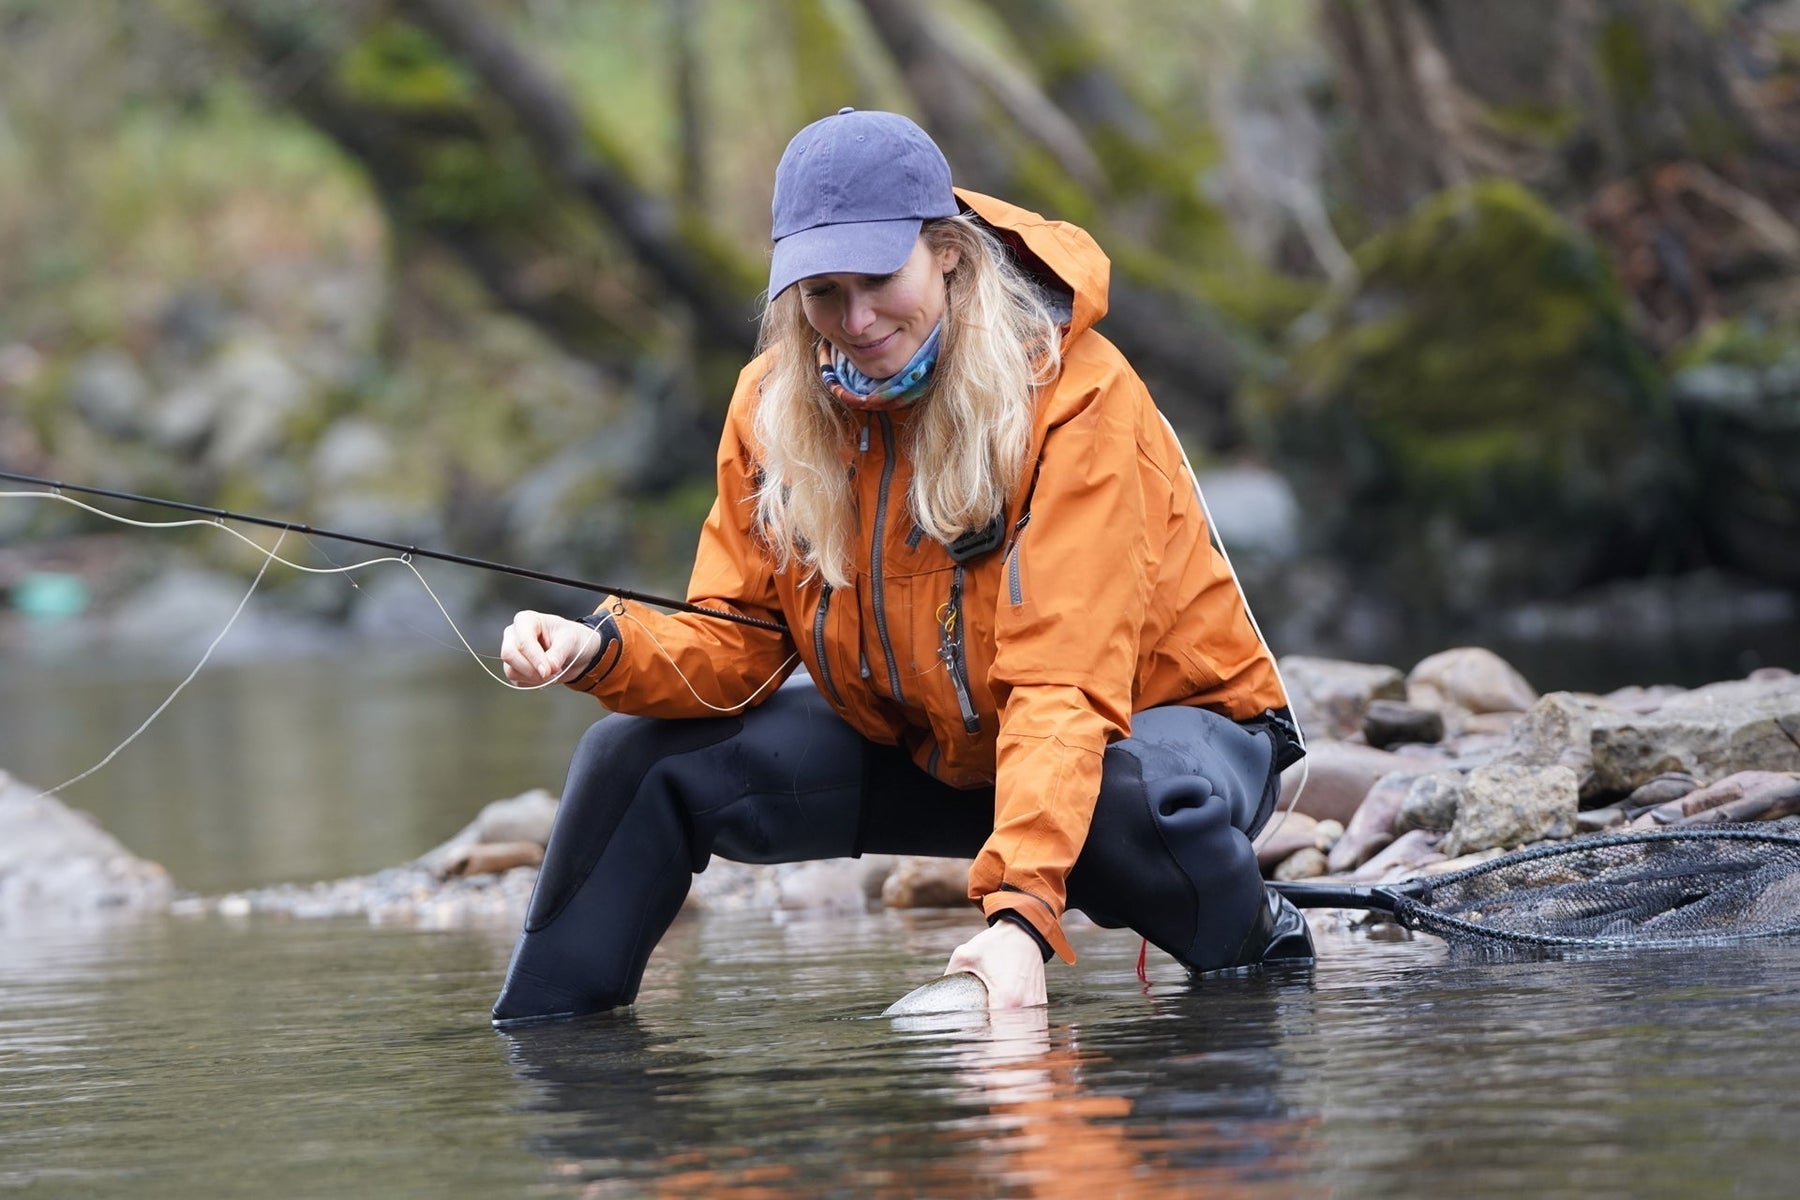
x=878 y=601
x=1015 y=586
x=819 y=646
x=950 y=649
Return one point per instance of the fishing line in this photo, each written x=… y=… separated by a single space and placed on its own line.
x=272 y=555
x=170 y=699
x=404 y=560
x=621 y=611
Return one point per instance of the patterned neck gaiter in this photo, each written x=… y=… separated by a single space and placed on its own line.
x=863 y=394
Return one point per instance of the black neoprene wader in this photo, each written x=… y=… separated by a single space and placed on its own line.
x=649 y=801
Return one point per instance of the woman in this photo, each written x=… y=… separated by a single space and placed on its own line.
x=989 y=553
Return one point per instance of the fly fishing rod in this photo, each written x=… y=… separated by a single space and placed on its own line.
x=462 y=560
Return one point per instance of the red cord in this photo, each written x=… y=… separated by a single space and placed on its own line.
x=1143 y=954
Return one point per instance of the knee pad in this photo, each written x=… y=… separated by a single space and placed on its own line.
x=1195 y=824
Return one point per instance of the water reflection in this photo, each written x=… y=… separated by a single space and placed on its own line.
x=1133 y=1093
x=192 y=1058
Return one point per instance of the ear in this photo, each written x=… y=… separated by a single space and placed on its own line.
x=945 y=259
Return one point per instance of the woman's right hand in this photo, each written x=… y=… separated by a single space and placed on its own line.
x=539 y=648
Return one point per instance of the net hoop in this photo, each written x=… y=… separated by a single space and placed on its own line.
x=1415 y=907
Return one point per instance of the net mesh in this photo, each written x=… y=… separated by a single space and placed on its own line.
x=1650 y=888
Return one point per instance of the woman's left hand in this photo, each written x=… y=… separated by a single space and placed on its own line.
x=1008 y=961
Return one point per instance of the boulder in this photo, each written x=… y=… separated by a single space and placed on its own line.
x=830 y=884
x=1710 y=732
x=1394 y=722
x=1372 y=826
x=1329 y=697
x=1745 y=796
x=1466 y=680
x=921 y=882
x=1285 y=834
x=1504 y=806
x=1557 y=731
x=1410 y=852
x=1338 y=775
x=525 y=818
x=1431 y=802
x=56 y=862
x=1307 y=863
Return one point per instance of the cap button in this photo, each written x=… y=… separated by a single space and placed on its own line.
x=845 y=109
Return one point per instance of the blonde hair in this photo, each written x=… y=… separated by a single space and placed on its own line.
x=967 y=438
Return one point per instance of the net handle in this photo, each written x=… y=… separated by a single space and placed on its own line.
x=1320 y=895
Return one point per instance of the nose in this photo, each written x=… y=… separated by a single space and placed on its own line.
x=859 y=313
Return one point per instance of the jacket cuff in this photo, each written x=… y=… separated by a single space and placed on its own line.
x=610 y=652
x=1037 y=913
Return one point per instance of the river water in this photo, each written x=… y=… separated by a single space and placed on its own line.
x=207 y=1056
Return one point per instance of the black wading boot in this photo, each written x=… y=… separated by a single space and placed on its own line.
x=1279 y=938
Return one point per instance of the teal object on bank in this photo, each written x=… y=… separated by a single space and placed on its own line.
x=51 y=595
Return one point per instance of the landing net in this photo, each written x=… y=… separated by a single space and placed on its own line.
x=1650 y=888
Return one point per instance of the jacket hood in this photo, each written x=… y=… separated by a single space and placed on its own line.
x=1061 y=255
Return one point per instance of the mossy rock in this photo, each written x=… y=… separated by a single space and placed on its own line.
x=1737 y=394
x=1480 y=387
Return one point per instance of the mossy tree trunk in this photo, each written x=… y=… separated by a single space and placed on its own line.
x=1624 y=114
x=473 y=147
x=1560 y=94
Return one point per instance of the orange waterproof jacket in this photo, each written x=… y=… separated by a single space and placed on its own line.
x=1016 y=668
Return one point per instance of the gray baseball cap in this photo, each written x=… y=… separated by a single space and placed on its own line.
x=851 y=191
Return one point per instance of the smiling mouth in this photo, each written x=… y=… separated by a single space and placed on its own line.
x=867 y=347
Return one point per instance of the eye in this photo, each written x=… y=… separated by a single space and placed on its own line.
x=876 y=281
x=814 y=291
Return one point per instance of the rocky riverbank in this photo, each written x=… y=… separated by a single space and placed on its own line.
x=1457 y=760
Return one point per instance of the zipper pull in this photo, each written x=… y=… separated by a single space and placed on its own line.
x=862 y=439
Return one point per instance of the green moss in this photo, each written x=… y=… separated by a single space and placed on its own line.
x=1483 y=359
x=399 y=66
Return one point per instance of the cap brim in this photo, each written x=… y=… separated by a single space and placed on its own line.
x=853 y=248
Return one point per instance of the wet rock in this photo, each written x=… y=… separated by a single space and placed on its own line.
x=1745 y=796
x=525 y=818
x=921 y=882
x=491 y=858
x=410 y=896
x=1557 y=731
x=1710 y=732
x=1488 y=724
x=1389 y=723
x=56 y=862
x=1308 y=863
x=1593 y=820
x=1504 y=806
x=1329 y=696
x=1338 y=775
x=1431 y=802
x=1372 y=826
x=1468 y=680
x=832 y=884
x=1409 y=853
x=1285 y=834
x=1664 y=788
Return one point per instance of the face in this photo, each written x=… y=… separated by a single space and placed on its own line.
x=879 y=321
